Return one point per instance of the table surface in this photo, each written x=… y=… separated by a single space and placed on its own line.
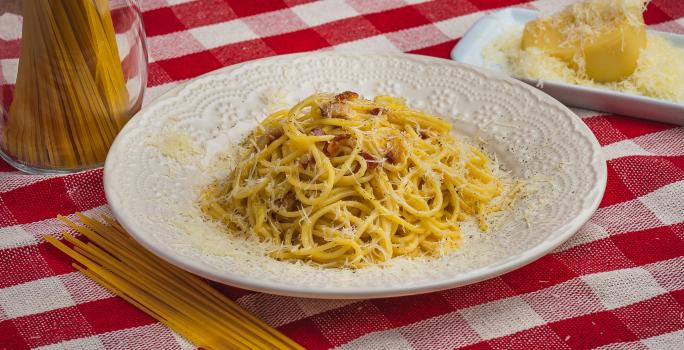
x=618 y=283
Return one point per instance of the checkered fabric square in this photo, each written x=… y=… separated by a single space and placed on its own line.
x=617 y=284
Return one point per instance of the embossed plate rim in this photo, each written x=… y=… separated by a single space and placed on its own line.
x=552 y=241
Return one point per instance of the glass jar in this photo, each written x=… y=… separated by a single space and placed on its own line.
x=72 y=73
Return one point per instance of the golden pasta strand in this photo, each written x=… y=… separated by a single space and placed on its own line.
x=343 y=181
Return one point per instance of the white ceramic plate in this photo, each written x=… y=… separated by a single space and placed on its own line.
x=180 y=142
x=489 y=28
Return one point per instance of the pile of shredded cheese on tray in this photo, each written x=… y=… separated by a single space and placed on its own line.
x=660 y=68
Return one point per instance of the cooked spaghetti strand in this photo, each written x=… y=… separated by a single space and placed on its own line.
x=339 y=180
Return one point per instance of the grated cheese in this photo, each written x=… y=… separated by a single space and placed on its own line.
x=659 y=72
x=175 y=145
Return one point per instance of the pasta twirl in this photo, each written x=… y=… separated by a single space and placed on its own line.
x=339 y=180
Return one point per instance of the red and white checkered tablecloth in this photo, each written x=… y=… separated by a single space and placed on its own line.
x=617 y=284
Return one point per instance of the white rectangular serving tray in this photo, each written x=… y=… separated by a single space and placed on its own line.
x=488 y=28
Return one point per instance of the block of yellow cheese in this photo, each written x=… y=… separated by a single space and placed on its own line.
x=603 y=42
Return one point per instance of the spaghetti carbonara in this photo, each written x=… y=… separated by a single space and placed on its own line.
x=339 y=180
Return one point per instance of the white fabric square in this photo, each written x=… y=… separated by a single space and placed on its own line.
x=417 y=37
x=565 y=300
x=673 y=340
x=622 y=149
x=183 y=343
x=10 y=181
x=14 y=237
x=613 y=218
x=456 y=27
x=55 y=227
x=34 y=297
x=319 y=12
x=273 y=309
x=148 y=5
x=668 y=273
x=448 y=331
x=623 y=287
x=177 y=2
x=223 y=33
x=88 y=343
x=316 y=306
x=665 y=143
x=632 y=345
x=666 y=203
x=589 y=232
x=501 y=317
x=10 y=26
x=96 y=212
x=365 y=6
x=9 y=67
x=153 y=336
x=171 y=45
x=383 y=340
x=378 y=43
x=275 y=22
x=82 y=289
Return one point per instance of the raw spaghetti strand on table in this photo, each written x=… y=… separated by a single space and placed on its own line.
x=343 y=181
x=181 y=301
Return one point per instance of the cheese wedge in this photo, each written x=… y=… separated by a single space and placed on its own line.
x=600 y=38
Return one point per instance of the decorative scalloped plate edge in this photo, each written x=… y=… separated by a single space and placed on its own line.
x=589 y=202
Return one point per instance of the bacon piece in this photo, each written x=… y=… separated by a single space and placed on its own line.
x=335 y=110
x=424 y=135
x=332 y=148
x=341 y=137
x=317 y=132
x=378 y=111
x=326 y=110
x=371 y=163
x=270 y=135
x=340 y=110
x=290 y=202
x=346 y=96
x=306 y=161
x=392 y=156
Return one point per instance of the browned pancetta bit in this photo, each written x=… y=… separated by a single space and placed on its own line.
x=290 y=201
x=378 y=111
x=339 y=110
x=341 y=137
x=332 y=148
x=392 y=156
x=306 y=161
x=317 y=131
x=270 y=135
x=346 y=96
x=371 y=163
x=326 y=110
